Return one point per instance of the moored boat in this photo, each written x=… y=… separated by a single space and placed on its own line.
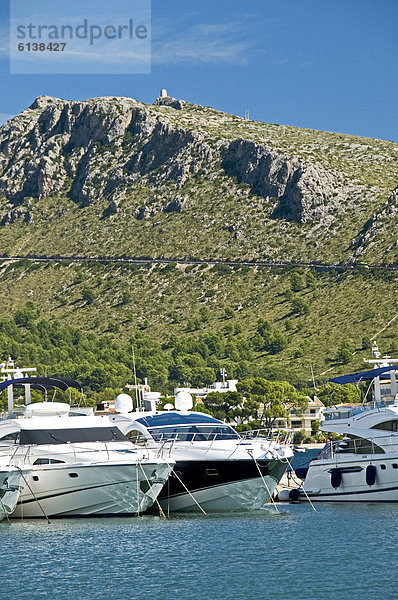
x=363 y=465
x=216 y=469
x=80 y=465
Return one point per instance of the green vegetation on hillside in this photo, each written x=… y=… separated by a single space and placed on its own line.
x=186 y=322
x=114 y=177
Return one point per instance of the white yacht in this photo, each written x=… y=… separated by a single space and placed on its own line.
x=12 y=481
x=215 y=468
x=80 y=465
x=363 y=465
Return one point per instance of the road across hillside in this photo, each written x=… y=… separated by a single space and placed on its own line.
x=143 y=260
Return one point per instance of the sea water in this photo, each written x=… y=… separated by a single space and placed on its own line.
x=340 y=551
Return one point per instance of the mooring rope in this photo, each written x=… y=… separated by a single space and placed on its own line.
x=6 y=512
x=34 y=496
x=138 y=496
x=193 y=498
x=161 y=512
x=250 y=452
x=302 y=487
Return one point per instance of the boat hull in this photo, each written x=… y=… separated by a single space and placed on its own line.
x=217 y=486
x=77 y=490
x=353 y=486
x=12 y=481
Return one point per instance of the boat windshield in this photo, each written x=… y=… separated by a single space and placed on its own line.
x=65 y=436
x=352 y=444
x=197 y=433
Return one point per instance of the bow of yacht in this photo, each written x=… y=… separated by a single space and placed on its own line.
x=12 y=481
x=79 y=465
x=215 y=467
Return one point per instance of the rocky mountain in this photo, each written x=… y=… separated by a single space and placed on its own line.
x=114 y=176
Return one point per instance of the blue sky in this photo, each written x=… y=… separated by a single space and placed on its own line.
x=319 y=64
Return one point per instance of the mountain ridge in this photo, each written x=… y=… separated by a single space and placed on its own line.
x=183 y=175
x=173 y=181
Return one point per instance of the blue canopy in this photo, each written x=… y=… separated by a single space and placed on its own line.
x=363 y=376
x=42 y=383
x=173 y=418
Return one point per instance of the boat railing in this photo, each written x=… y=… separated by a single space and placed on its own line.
x=280 y=436
x=360 y=446
x=25 y=454
x=181 y=436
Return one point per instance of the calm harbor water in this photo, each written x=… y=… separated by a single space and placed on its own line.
x=339 y=552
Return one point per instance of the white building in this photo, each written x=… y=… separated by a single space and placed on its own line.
x=218 y=386
x=314 y=412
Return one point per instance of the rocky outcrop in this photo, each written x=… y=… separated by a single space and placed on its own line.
x=377 y=225
x=95 y=151
x=301 y=192
x=177 y=204
x=171 y=102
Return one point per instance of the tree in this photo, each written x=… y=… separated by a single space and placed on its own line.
x=215 y=403
x=229 y=313
x=126 y=297
x=315 y=425
x=263 y=326
x=310 y=280
x=202 y=376
x=88 y=295
x=339 y=394
x=278 y=398
x=344 y=356
x=105 y=395
x=299 y=436
x=289 y=295
x=230 y=406
x=300 y=306
x=204 y=314
x=366 y=342
x=278 y=342
x=24 y=317
x=288 y=325
x=296 y=282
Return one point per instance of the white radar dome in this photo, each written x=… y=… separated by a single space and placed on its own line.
x=123 y=403
x=183 y=401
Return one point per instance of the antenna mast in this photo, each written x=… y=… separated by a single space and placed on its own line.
x=137 y=399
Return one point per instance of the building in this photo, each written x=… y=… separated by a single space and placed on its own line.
x=314 y=412
x=228 y=385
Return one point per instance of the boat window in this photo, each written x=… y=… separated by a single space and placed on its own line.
x=383 y=467
x=211 y=472
x=394 y=466
x=66 y=436
x=137 y=437
x=11 y=437
x=48 y=461
x=353 y=444
x=387 y=425
x=195 y=433
x=176 y=418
